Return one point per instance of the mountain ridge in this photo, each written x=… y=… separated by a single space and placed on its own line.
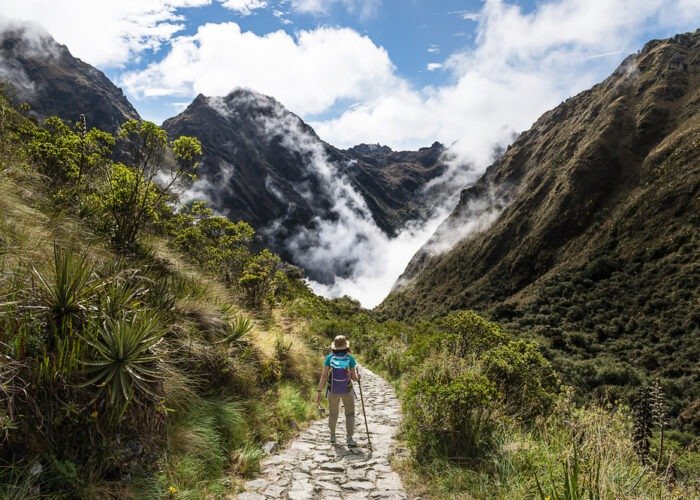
x=46 y=75
x=595 y=247
x=288 y=181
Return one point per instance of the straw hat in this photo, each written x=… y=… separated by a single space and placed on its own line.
x=340 y=343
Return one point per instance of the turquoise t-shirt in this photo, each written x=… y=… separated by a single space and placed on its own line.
x=327 y=362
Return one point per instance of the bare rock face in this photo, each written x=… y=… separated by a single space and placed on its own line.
x=44 y=74
x=264 y=165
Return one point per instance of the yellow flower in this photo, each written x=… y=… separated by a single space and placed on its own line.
x=172 y=490
x=94 y=414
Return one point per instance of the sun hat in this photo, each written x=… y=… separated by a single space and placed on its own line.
x=340 y=343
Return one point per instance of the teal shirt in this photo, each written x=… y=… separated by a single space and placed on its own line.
x=327 y=362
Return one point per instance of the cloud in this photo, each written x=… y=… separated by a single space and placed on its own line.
x=309 y=72
x=108 y=32
x=467 y=15
x=282 y=16
x=434 y=49
x=364 y=8
x=433 y=66
x=521 y=64
x=244 y=7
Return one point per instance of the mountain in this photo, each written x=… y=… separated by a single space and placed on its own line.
x=587 y=230
x=264 y=165
x=44 y=74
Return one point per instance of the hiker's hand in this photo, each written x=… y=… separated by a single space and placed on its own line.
x=318 y=399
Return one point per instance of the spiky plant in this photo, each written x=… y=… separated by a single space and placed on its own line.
x=67 y=290
x=236 y=330
x=123 y=364
x=643 y=422
x=121 y=295
x=657 y=400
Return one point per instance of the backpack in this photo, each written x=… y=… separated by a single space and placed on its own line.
x=339 y=379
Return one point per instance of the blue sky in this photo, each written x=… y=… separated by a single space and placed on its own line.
x=358 y=70
x=414 y=32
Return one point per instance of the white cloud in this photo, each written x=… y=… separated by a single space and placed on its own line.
x=309 y=73
x=434 y=49
x=522 y=64
x=350 y=239
x=244 y=7
x=282 y=16
x=108 y=32
x=433 y=66
x=364 y=8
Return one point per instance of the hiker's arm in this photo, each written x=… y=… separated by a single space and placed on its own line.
x=324 y=379
x=321 y=385
x=354 y=375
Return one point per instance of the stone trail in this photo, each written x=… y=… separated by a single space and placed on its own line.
x=311 y=468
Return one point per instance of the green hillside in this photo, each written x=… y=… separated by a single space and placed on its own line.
x=129 y=367
x=596 y=249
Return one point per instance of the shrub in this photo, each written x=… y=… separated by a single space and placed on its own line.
x=469 y=333
x=526 y=379
x=258 y=279
x=448 y=410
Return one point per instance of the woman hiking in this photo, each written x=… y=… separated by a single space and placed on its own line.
x=340 y=366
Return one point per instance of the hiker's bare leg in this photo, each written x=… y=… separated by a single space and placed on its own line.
x=349 y=405
x=333 y=410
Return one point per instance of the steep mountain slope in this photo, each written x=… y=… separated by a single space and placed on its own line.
x=596 y=241
x=266 y=166
x=46 y=75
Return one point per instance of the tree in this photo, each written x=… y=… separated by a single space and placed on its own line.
x=214 y=241
x=134 y=193
x=66 y=155
x=258 y=279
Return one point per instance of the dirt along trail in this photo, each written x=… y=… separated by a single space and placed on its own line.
x=312 y=468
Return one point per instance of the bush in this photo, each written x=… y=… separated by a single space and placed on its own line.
x=469 y=333
x=448 y=410
x=526 y=379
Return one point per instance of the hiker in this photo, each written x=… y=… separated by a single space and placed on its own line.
x=340 y=365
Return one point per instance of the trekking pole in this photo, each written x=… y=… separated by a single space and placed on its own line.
x=362 y=400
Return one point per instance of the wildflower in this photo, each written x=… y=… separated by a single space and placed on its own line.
x=94 y=414
x=172 y=490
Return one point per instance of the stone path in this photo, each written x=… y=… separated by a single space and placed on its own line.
x=312 y=468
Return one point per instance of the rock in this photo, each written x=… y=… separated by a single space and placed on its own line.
x=324 y=486
x=250 y=496
x=256 y=484
x=358 y=485
x=273 y=491
x=269 y=448
x=333 y=467
x=390 y=482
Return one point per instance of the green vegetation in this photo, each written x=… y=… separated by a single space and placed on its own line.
x=486 y=415
x=142 y=351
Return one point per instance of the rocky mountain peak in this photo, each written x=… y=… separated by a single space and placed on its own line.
x=45 y=74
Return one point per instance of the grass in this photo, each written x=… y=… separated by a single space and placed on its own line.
x=214 y=406
x=574 y=454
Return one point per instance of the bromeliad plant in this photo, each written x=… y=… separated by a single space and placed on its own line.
x=124 y=362
x=67 y=290
x=66 y=295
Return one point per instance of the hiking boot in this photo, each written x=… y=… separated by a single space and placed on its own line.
x=332 y=438
x=351 y=442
